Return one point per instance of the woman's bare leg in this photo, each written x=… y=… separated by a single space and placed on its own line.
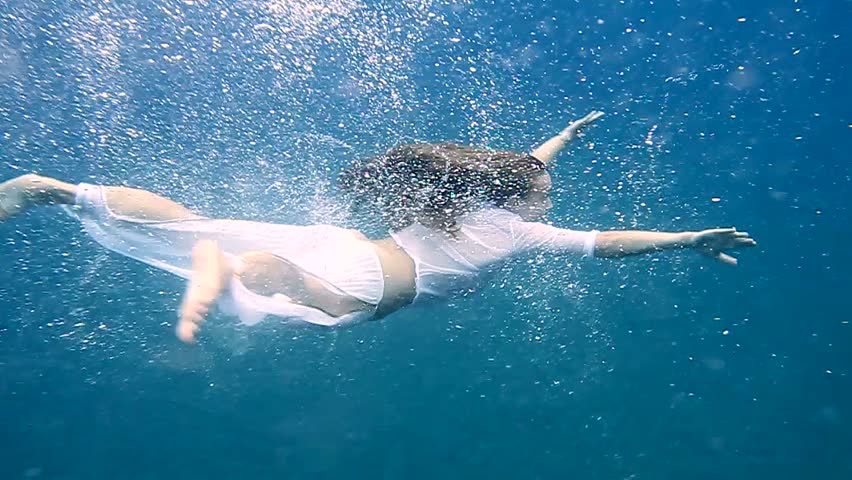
x=28 y=191
x=210 y=274
x=142 y=204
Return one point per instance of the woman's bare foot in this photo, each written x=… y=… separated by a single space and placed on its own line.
x=210 y=272
x=27 y=191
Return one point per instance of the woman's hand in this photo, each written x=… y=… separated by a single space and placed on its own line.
x=712 y=242
x=548 y=150
x=572 y=130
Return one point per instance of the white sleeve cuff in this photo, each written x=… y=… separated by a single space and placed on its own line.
x=589 y=245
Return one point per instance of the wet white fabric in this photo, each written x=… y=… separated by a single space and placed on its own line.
x=335 y=255
x=447 y=263
x=252 y=308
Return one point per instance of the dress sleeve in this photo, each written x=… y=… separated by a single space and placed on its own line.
x=532 y=236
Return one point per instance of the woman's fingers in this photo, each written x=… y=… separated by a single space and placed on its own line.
x=575 y=126
x=740 y=239
x=719 y=238
x=591 y=117
x=712 y=242
x=746 y=241
x=719 y=255
x=725 y=258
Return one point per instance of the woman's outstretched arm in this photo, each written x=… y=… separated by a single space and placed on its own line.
x=714 y=243
x=711 y=242
x=548 y=150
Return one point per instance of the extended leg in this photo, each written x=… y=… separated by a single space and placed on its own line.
x=27 y=191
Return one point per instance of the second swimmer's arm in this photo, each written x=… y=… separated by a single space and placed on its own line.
x=548 y=150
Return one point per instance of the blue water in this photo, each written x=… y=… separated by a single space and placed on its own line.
x=668 y=366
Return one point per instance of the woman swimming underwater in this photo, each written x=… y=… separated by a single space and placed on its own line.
x=455 y=212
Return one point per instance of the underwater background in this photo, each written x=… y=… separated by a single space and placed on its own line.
x=668 y=366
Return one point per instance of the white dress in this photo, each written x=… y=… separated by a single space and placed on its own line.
x=344 y=262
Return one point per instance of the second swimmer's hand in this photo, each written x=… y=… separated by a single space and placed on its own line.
x=573 y=129
x=714 y=241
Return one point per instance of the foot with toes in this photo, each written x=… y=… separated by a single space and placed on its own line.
x=210 y=272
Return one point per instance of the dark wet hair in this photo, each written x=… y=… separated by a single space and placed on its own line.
x=435 y=183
